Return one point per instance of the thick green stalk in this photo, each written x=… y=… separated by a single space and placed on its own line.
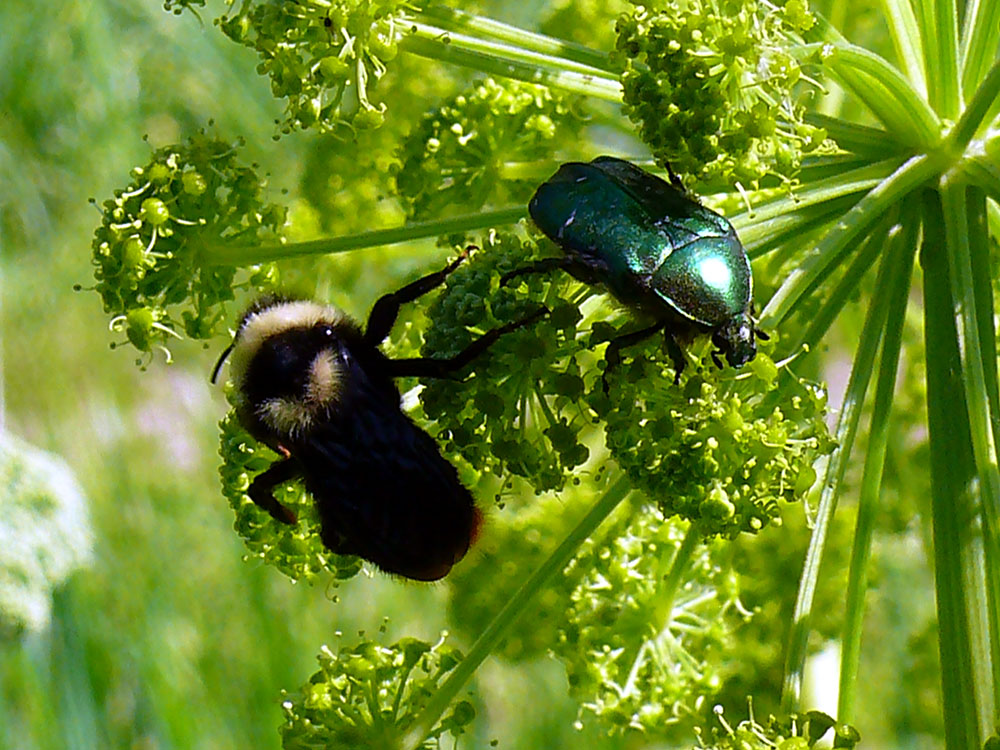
x=977 y=371
x=790 y=231
x=511 y=51
x=980 y=252
x=496 y=58
x=246 y=255
x=846 y=432
x=900 y=257
x=515 y=607
x=843 y=183
x=954 y=498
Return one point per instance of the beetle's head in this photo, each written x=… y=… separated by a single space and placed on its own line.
x=735 y=339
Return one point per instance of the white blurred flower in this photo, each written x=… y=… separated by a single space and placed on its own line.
x=45 y=532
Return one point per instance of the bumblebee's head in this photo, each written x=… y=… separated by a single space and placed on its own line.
x=288 y=362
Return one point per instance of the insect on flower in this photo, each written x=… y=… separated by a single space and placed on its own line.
x=656 y=249
x=310 y=383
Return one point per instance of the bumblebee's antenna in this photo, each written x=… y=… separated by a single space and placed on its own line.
x=218 y=365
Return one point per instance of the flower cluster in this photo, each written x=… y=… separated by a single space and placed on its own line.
x=519 y=411
x=722 y=447
x=323 y=58
x=637 y=658
x=45 y=533
x=151 y=250
x=368 y=694
x=458 y=155
x=713 y=88
x=794 y=732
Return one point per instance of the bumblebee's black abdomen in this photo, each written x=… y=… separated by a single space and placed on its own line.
x=384 y=492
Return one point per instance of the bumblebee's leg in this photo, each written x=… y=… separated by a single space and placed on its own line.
x=539 y=266
x=425 y=367
x=261 y=490
x=386 y=309
x=613 y=356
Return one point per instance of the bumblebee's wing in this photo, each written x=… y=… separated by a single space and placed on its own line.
x=384 y=492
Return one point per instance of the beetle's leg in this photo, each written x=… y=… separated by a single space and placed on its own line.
x=675 y=180
x=261 y=490
x=426 y=367
x=676 y=355
x=386 y=309
x=539 y=266
x=613 y=356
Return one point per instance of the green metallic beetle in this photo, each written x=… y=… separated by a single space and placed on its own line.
x=655 y=249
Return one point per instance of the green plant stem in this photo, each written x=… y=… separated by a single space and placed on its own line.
x=906 y=40
x=504 y=60
x=816 y=267
x=874 y=143
x=762 y=225
x=978 y=373
x=979 y=40
x=904 y=98
x=507 y=50
x=972 y=118
x=889 y=95
x=846 y=432
x=798 y=224
x=941 y=55
x=246 y=255
x=452 y=19
x=963 y=643
x=820 y=322
x=515 y=607
x=671 y=583
x=980 y=256
x=820 y=191
x=983 y=172
x=900 y=259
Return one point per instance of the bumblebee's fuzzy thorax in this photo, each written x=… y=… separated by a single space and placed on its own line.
x=289 y=365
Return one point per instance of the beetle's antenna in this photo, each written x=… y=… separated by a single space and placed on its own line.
x=218 y=365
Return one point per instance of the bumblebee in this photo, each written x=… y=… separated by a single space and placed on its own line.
x=314 y=386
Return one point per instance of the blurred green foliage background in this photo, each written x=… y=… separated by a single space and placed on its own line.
x=168 y=639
